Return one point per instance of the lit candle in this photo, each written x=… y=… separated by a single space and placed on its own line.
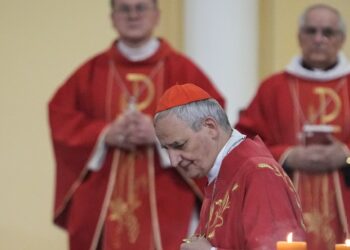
x=345 y=246
x=290 y=244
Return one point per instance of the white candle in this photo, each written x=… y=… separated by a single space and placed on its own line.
x=345 y=246
x=290 y=244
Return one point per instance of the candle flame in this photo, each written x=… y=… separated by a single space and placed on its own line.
x=290 y=237
x=347 y=242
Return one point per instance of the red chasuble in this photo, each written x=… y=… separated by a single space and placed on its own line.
x=281 y=107
x=115 y=207
x=252 y=203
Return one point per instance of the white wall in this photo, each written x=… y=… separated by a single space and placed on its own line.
x=222 y=37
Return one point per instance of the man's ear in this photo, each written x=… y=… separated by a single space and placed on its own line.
x=211 y=124
x=299 y=38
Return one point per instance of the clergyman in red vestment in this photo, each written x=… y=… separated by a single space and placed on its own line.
x=112 y=188
x=250 y=202
x=303 y=115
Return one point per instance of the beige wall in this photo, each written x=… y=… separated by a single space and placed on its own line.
x=41 y=43
x=278 y=27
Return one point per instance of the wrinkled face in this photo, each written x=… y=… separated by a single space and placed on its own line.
x=192 y=151
x=320 y=38
x=134 y=20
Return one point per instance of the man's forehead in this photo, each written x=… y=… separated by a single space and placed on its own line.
x=170 y=128
x=321 y=16
x=168 y=125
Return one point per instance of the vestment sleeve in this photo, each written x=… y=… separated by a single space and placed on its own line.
x=71 y=128
x=74 y=135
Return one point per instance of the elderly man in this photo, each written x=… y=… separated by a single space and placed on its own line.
x=111 y=190
x=303 y=115
x=249 y=202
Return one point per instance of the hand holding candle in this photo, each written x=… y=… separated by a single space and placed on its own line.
x=290 y=244
x=345 y=246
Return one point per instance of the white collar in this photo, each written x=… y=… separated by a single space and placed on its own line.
x=140 y=53
x=342 y=68
x=235 y=139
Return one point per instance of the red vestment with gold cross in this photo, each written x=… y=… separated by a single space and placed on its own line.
x=284 y=103
x=112 y=207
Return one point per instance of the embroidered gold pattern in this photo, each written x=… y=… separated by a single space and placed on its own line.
x=124 y=214
x=326 y=95
x=277 y=171
x=319 y=217
x=217 y=210
x=319 y=113
x=318 y=224
x=234 y=187
x=123 y=206
x=138 y=93
x=136 y=81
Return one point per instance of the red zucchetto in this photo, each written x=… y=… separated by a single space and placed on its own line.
x=179 y=95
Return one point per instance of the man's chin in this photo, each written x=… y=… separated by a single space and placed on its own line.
x=136 y=38
x=319 y=59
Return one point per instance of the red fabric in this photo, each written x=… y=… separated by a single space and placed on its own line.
x=278 y=120
x=179 y=95
x=318 y=199
x=78 y=114
x=255 y=203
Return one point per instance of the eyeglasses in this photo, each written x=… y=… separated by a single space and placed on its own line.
x=325 y=32
x=139 y=9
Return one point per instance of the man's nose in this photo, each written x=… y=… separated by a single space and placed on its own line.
x=175 y=158
x=319 y=37
x=133 y=12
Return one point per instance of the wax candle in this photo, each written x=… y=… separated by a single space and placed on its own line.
x=345 y=246
x=290 y=244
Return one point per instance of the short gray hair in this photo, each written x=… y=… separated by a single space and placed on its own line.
x=341 y=22
x=195 y=113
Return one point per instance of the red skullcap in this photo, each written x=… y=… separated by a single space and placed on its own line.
x=178 y=95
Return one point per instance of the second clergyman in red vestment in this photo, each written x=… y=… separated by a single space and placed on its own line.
x=131 y=197
x=285 y=106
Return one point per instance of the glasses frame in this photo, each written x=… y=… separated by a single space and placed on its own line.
x=138 y=9
x=326 y=32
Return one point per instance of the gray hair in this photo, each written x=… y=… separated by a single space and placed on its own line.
x=195 y=113
x=341 y=22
